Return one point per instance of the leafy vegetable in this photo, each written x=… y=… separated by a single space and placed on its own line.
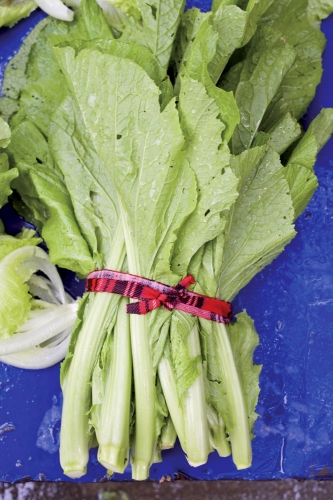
x=12 y=11
x=148 y=140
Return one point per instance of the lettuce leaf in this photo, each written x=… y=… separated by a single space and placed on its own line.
x=299 y=169
x=260 y=79
x=209 y=157
x=290 y=18
x=52 y=213
x=260 y=221
x=11 y=11
x=6 y=175
x=200 y=55
x=45 y=88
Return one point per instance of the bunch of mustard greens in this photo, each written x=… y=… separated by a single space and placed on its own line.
x=160 y=142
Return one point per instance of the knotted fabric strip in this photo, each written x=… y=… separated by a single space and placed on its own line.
x=153 y=294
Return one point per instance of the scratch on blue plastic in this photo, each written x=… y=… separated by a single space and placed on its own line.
x=292 y=305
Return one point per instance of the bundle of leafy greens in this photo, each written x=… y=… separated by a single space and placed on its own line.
x=161 y=142
x=36 y=314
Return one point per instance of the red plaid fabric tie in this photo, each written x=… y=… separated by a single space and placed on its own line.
x=152 y=294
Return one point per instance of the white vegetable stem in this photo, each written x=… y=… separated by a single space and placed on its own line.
x=144 y=383
x=54 y=322
x=169 y=387
x=195 y=410
x=38 y=358
x=74 y=438
x=113 y=429
x=239 y=431
x=218 y=432
x=168 y=435
x=56 y=8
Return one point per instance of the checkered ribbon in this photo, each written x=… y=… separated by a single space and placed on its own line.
x=152 y=294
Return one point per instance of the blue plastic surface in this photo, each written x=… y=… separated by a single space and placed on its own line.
x=291 y=302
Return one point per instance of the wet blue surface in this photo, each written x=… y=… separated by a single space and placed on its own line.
x=291 y=302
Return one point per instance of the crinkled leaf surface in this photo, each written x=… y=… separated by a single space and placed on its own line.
x=4 y=134
x=200 y=55
x=259 y=223
x=319 y=9
x=16 y=268
x=284 y=133
x=160 y=20
x=209 y=157
x=229 y=22
x=11 y=12
x=299 y=169
x=45 y=88
x=135 y=140
x=14 y=76
x=94 y=201
x=290 y=18
x=42 y=189
x=259 y=82
x=244 y=339
x=189 y=26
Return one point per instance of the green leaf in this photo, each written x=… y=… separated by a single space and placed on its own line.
x=4 y=134
x=134 y=141
x=258 y=85
x=94 y=201
x=27 y=237
x=157 y=28
x=302 y=184
x=45 y=86
x=99 y=379
x=16 y=268
x=185 y=367
x=190 y=23
x=140 y=55
x=93 y=21
x=15 y=76
x=11 y=12
x=208 y=156
x=82 y=314
x=290 y=18
x=244 y=339
x=319 y=9
x=255 y=10
x=321 y=128
x=201 y=54
x=6 y=175
x=299 y=169
x=259 y=223
x=229 y=23
x=284 y=133
x=210 y=266
x=160 y=20
x=42 y=189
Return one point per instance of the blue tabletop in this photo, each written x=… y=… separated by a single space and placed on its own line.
x=291 y=302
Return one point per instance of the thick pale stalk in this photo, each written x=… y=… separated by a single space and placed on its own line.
x=218 y=433
x=74 y=436
x=238 y=428
x=57 y=321
x=38 y=358
x=169 y=387
x=144 y=383
x=168 y=435
x=221 y=444
x=195 y=411
x=113 y=430
x=145 y=434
